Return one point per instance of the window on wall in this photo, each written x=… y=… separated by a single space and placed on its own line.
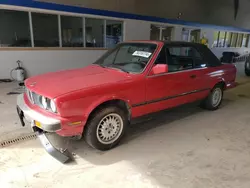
x=216 y=37
x=167 y=33
x=75 y=31
x=15 y=30
x=45 y=30
x=161 y=32
x=185 y=34
x=245 y=40
x=94 y=32
x=195 y=35
x=228 y=39
x=72 y=31
x=114 y=33
x=221 y=42
x=234 y=39
x=220 y=39
x=154 y=32
x=239 y=40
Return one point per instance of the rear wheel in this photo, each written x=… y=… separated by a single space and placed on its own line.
x=213 y=101
x=106 y=128
x=247 y=68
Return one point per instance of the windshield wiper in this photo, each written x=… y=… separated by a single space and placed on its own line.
x=124 y=70
x=118 y=68
x=100 y=65
x=112 y=67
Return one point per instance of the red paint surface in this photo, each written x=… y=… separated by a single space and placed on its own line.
x=78 y=92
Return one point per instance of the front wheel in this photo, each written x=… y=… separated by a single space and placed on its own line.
x=106 y=128
x=214 y=99
x=247 y=68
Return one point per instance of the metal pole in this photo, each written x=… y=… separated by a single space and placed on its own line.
x=83 y=31
x=31 y=31
x=104 y=34
x=218 y=38
x=59 y=30
x=160 y=37
x=225 y=38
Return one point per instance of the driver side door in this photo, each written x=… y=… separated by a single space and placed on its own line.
x=168 y=89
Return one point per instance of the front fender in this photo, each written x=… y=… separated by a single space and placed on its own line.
x=100 y=100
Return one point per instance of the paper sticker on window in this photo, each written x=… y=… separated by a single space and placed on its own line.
x=142 y=54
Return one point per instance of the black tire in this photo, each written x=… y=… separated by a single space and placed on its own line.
x=208 y=102
x=247 y=68
x=90 y=131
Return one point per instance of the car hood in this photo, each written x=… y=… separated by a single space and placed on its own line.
x=59 y=83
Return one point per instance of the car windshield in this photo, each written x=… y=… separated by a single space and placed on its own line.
x=128 y=57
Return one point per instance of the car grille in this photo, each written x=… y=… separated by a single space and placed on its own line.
x=33 y=97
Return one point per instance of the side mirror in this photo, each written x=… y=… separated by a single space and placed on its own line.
x=159 y=69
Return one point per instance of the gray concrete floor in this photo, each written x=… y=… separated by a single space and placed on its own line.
x=9 y=122
x=184 y=148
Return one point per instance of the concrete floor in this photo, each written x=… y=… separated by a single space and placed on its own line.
x=184 y=148
x=9 y=122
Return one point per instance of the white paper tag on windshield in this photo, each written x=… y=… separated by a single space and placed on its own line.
x=142 y=54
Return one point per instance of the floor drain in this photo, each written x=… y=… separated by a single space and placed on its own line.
x=17 y=140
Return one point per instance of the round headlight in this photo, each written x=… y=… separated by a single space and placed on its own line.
x=52 y=106
x=44 y=102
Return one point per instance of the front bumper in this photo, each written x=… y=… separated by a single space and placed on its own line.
x=62 y=155
x=231 y=85
x=46 y=124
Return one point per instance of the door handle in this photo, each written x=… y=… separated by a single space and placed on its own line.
x=193 y=76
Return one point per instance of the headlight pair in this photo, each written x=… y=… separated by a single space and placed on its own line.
x=48 y=104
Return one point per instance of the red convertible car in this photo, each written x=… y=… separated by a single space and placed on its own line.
x=133 y=79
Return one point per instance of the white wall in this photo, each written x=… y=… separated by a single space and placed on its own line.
x=178 y=33
x=38 y=62
x=137 y=30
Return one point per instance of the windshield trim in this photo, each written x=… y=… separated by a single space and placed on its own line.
x=110 y=51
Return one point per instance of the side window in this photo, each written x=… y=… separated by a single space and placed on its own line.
x=183 y=58
x=179 y=58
